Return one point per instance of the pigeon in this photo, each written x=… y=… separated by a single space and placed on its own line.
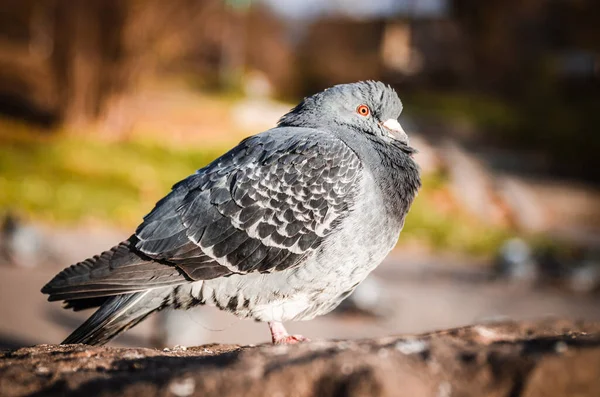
x=283 y=227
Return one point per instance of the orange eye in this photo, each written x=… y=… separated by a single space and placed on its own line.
x=363 y=110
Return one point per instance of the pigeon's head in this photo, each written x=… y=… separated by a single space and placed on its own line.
x=369 y=106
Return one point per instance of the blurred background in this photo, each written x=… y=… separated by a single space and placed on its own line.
x=104 y=104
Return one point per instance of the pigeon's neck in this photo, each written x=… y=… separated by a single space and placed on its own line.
x=398 y=176
x=394 y=170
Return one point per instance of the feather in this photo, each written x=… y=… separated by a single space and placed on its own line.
x=258 y=203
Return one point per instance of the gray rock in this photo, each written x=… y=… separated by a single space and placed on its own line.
x=551 y=358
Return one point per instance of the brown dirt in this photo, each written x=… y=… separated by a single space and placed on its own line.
x=550 y=358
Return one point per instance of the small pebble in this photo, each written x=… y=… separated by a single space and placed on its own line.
x=411 y=346
x=488 y=335
x=132 y=355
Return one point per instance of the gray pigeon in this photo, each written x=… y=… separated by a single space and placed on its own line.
x=282 y=227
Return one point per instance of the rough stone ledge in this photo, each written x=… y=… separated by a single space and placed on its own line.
x=546 y=358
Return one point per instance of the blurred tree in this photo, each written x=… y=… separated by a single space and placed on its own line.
x=233 y=42
x=71 y=58
x=84 y=51
x=271 y=50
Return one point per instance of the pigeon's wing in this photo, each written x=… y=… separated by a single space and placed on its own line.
x=262 y=207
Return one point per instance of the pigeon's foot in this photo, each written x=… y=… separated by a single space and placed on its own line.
x=280 y=336
x=291 y=340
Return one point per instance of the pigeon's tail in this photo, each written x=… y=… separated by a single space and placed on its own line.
x=120 y=270
x=118 y=314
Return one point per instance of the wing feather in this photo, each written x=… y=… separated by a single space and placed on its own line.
x=264 y=206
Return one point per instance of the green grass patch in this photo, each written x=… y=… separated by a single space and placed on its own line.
x=68 y=179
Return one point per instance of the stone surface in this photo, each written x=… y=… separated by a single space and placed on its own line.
x=549 y=358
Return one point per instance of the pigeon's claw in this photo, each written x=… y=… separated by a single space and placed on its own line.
x=280 y=336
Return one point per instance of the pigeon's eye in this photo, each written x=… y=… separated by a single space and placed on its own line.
x=363 y=110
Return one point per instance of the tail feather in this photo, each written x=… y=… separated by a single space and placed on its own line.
x=116 y=315
x=120 y=270
x=77 y=294
x=125 y=284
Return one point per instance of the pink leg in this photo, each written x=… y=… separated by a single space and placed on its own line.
x=280 y=336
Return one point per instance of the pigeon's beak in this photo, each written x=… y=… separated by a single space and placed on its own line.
x=395 y=130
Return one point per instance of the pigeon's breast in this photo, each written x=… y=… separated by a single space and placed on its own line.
x=323 y=280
